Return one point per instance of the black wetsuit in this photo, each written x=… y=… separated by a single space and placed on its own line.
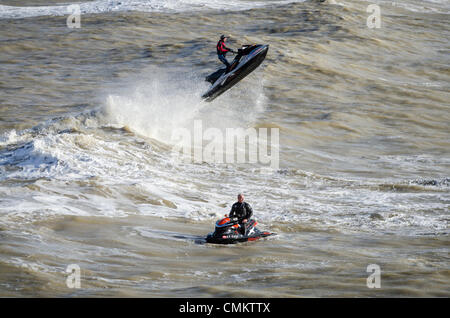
x=241 y=211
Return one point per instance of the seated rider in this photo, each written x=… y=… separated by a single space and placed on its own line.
x=242 y=210
x=222 y=50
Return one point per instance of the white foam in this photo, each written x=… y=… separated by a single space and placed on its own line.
x=420 y=6
x=105 y=6
x=196 y=192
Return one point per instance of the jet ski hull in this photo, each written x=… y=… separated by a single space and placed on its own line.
x=233 y=239
x=229 y=231
x=242 y=65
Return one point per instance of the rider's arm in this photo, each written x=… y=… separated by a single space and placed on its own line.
x=232 y=211
x=249 y=210
x=227 y=48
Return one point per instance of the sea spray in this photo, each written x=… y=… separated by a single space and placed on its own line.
x=160 y=101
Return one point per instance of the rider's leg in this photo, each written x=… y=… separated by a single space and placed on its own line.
x=224 y=61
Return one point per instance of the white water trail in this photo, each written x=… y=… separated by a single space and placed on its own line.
x=160 y=101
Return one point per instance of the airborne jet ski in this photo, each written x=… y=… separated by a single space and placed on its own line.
x=229 y=231
x=247 y=59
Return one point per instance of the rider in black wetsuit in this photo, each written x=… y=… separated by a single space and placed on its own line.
x=242 y=210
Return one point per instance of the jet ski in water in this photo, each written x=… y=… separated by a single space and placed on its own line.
x=229 y=231
x=247 y=59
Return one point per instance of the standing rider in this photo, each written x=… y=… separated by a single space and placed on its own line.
x=222 y=50
x=242 y=210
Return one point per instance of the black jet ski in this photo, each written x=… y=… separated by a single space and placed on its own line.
x=247 y=59
x=229 y=231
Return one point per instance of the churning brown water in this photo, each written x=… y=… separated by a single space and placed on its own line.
x=88 y=176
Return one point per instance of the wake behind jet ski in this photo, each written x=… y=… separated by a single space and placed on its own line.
x=248 y=58
x=230 y=231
